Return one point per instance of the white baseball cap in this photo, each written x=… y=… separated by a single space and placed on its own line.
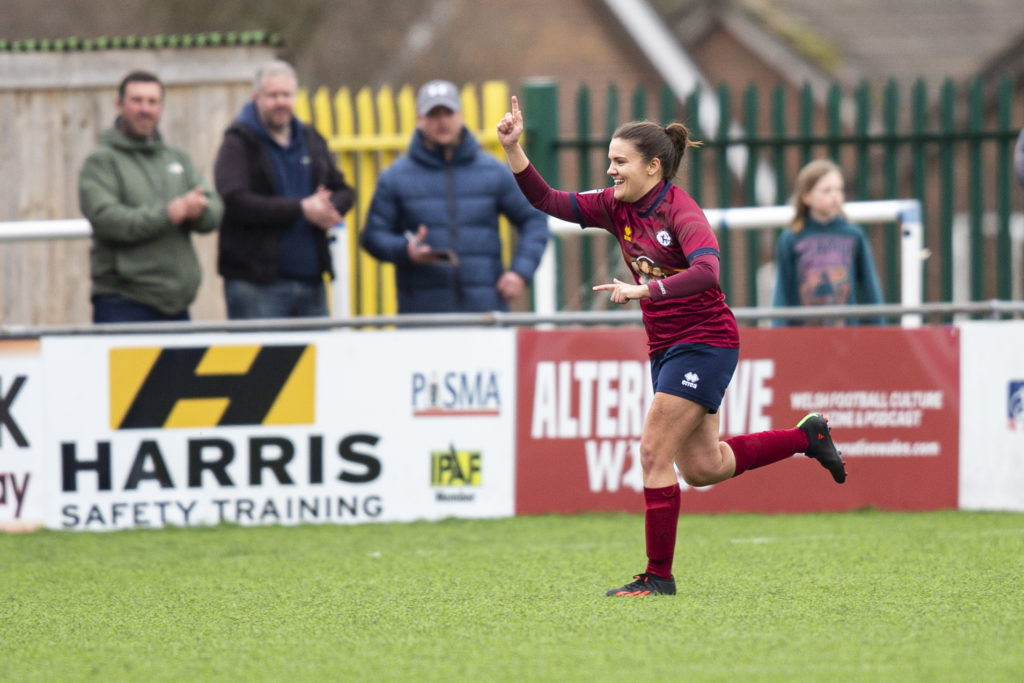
x=437 y=94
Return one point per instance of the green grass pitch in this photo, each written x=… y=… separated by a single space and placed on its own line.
x=866 y=596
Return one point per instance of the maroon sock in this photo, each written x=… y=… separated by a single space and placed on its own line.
x=764 y=448
x=661 y=519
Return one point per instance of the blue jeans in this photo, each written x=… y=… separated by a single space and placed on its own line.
x=114 y=308
x=281 y=299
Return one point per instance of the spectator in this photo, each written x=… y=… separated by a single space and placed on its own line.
x=823 y=260
x=435 y=212
x=143 y=199
x=282 y=193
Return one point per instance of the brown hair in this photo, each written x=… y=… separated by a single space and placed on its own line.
x=806 y=179
x=668 y=143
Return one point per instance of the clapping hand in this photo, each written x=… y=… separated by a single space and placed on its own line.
x=318 y=210
x=188 y=206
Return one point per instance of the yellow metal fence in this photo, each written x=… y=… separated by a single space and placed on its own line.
x=366 y=132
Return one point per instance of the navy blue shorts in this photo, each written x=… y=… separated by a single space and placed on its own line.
x=696 y=372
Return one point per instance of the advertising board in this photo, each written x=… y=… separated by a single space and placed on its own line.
x=21 y=410
x=277 y=428
x=891 y=394
x=992 y=412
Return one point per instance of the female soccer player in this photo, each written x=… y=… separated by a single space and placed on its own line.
x=692 y=335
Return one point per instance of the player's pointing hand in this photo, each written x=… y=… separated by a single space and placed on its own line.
x=622 y=292
x=510 y=128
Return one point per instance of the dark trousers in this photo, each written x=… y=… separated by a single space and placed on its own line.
x=114 y=308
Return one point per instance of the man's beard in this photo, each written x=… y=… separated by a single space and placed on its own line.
x=132 y=131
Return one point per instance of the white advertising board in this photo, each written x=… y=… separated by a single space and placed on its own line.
x=992 y=415
x=277 y=428
x=21 y=408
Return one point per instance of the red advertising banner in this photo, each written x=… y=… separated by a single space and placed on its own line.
x=891 y=395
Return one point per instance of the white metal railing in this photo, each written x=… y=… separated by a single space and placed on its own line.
x=906 y=212
x=21 y=231
x=993 y=310
x=78 y=228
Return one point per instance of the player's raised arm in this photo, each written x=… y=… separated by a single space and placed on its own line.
x=510 y=129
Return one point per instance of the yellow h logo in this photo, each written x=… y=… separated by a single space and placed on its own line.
x=212 y=386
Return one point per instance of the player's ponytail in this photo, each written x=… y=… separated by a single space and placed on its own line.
x=680 y=137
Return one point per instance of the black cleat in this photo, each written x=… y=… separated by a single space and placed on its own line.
x=820 y=446
x=645 y=584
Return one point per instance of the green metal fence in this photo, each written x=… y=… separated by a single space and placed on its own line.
x=951 y=149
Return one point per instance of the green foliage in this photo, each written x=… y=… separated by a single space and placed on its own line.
x=860 y=596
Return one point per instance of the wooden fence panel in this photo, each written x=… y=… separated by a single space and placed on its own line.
x=54 y=114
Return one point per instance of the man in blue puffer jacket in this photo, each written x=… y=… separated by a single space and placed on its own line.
x=435 y=213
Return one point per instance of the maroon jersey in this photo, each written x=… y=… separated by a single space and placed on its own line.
x=660 y=236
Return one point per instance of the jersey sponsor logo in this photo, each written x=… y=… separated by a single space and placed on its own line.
x=211 y=386
x=647 y=270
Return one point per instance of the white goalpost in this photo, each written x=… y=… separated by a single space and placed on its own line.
x=905 y=212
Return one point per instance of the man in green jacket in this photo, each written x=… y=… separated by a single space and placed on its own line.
x=144 y=199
